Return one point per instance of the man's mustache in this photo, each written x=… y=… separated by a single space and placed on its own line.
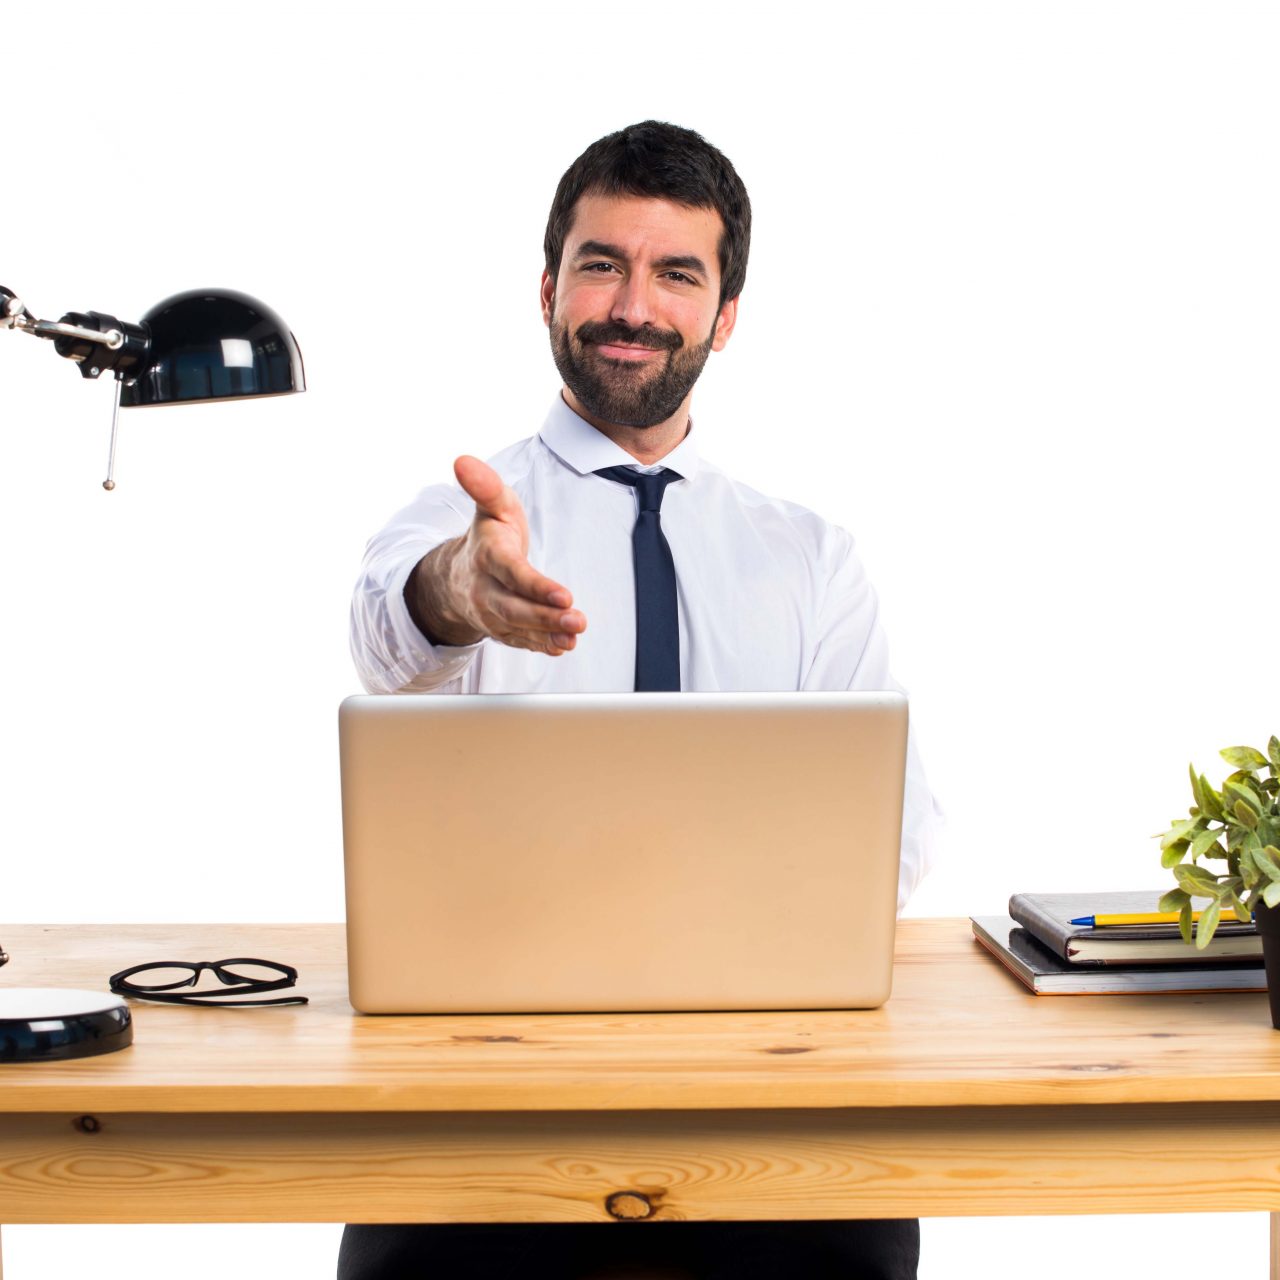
x=645 y=336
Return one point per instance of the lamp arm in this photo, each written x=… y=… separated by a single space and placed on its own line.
x=14 y=315
x=12 y=309
x=87 y=339
x=113 y=339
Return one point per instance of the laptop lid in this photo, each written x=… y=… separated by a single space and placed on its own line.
x=621 y=852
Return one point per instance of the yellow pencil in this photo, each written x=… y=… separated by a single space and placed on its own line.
x=1144 y=917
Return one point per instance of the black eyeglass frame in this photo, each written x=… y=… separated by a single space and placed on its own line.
x=165 y=993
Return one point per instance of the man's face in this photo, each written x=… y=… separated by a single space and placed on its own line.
x=635 y=309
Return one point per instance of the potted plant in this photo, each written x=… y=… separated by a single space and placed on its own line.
x=1238 y=825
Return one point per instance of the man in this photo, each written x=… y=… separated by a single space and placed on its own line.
x=604 y=554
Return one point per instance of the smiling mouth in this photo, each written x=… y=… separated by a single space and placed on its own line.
x=625 y=351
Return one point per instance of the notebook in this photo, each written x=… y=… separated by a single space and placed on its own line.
x=1046 y=974
x=1048 y=916
x=621 y=852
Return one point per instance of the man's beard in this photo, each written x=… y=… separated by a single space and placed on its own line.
x=627 y=393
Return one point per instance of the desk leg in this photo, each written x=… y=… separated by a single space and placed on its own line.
x=1274 y=1272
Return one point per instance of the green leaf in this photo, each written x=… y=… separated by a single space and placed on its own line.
x=1249 y=871
x=1273 y=750
x=1241 y=791
x=1233 y=900
x=1174 y=900
x=1195 y=786
x=1267 y=860
x=1179 y=831
x=1207 y=925
x=1244 y=757
x=1172 y=856
x=1204 y=841
x=1271 y=894
x=1184 y=921
x=1196 y=880
x=1248 y=817
x=1211 y=801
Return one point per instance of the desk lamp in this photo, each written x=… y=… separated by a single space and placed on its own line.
x=205 y=344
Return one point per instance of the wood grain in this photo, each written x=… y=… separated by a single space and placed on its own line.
x=958 y=1031
x=569 y=1166
x=964 y=1095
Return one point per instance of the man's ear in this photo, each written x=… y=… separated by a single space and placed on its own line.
x=548 y=293
x=725 y=321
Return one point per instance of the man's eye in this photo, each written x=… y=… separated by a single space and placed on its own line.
x=680 y=276
x=600 y=266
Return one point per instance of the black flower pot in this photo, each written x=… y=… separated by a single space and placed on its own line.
x=1267 y=920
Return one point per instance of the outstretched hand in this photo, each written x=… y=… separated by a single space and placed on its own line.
x=491 y=586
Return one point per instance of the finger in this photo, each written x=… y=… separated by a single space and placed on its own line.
x=553 y=646
x=486 y=489
x=522 y=579
x=511 y=613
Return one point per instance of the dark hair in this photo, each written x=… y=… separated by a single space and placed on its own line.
x=666 y=162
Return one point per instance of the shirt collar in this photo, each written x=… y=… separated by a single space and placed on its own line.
x=579 y=445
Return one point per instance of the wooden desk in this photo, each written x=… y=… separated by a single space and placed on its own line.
x=963 y=1095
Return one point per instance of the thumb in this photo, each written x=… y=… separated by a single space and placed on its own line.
x=486 y=489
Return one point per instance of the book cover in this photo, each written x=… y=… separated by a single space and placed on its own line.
x=1048 y=917
x=1046 y=974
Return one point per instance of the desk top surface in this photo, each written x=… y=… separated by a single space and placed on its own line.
x=958 y=1031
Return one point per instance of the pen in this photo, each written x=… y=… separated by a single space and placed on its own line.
x=1143 y=917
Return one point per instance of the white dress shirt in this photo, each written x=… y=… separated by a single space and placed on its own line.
x=770 y=596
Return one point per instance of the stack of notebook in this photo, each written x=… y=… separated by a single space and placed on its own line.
x=1048 y=941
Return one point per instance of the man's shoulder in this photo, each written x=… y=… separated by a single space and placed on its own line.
x=517 y=460
x=448 y=500
x=784 y=517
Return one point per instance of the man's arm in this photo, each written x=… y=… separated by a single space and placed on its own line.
x=426 y=600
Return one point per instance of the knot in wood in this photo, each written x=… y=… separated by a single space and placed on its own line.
x=629 y=1205
x=88 y=1124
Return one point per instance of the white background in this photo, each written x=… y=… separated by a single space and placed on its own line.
x=1011 y=317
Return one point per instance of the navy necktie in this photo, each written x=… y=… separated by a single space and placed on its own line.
x=657 y=624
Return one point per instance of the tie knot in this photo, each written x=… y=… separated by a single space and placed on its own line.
x=649 y=486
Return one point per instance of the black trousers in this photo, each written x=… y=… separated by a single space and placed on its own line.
x=880 y=1249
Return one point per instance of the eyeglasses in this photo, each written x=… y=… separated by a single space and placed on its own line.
x=241 y=977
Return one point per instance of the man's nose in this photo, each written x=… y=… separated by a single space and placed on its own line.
x=634 y=303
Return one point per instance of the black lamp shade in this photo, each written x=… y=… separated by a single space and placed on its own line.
x=43 y=1024
x=214 y=344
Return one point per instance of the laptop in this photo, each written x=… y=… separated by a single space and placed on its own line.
x=621 y=852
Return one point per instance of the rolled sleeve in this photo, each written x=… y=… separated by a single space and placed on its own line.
x=390 y=653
